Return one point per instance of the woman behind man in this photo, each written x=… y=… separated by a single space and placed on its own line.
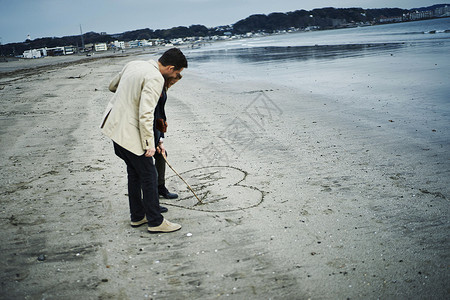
x=159 y=130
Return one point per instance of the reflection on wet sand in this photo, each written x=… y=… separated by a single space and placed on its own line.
x=299 y=53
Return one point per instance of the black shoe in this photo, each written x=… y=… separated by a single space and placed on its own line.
x=163 y=209
x=165 y=193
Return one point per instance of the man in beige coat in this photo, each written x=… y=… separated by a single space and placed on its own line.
x=128 y=121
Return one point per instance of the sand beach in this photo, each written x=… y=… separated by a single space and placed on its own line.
x=305 y=196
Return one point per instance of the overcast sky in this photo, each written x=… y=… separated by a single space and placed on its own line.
x=48 y=18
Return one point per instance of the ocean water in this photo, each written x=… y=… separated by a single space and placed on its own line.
x=406 y=66
x=300 y=50
x=399 y=32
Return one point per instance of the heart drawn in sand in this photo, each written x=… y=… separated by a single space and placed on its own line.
x=220 y=189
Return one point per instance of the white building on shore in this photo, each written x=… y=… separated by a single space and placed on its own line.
x=119 y=44
x=101 y=47
x=55 y=51
x=33 y=53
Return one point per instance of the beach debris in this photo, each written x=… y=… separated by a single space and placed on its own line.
x=436 y=194
x=391 y=121
x=21 y=276
x=188 y=234
x=76 y=77
x=41 y=257
x=13 y=220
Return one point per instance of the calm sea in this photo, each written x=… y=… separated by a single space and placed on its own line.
x=301 y=49
x=405 y=65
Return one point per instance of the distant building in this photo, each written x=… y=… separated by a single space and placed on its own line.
x=70 y=50
x=443 y=11
x=43 y=51
x=419 y=15
x=34 y=53
x=133 y=44
x=177 y=41
x=390 y=19
x=119 y=44
x=55 y=51
x=100 y=47
x=146 y=43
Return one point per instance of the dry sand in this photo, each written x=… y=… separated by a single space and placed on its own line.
x=300 y=200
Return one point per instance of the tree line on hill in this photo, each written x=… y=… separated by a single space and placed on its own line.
x=322 y=18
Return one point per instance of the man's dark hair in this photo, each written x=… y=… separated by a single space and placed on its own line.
x=174 y=57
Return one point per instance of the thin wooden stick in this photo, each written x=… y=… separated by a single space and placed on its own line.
x=198 y=199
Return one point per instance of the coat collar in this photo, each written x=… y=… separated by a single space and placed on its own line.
x=154 y=63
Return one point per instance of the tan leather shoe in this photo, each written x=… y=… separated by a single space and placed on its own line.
x=165 y=226
x=139 y=223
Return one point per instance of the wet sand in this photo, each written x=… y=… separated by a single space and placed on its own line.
x=298 y=201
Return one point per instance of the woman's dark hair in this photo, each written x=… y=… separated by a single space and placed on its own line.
x=174 y=57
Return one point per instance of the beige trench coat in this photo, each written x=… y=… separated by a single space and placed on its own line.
x=128 y=119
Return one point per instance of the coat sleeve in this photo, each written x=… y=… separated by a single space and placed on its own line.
x=115 y=82
x=112 y=87
x=151 y=91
